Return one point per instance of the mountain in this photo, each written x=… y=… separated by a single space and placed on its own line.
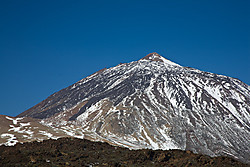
x=157 y=104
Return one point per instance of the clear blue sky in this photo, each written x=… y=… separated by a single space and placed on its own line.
x=48 y=45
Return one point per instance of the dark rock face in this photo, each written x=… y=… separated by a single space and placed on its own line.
x=155 y=103
x=76 y=152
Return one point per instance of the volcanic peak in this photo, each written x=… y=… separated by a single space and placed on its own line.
x=156 y=57
x=153 y=56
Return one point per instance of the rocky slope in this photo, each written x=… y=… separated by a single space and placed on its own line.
x=76 y=152
x=26 y=129
x=157 y=104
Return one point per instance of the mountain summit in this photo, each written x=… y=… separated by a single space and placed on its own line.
x=156 y=57
x=157 y=104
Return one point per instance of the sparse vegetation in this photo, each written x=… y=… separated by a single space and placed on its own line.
x=77 y=152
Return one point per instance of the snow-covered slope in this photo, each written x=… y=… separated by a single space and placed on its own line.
x=15 y=130
x=155 y=103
